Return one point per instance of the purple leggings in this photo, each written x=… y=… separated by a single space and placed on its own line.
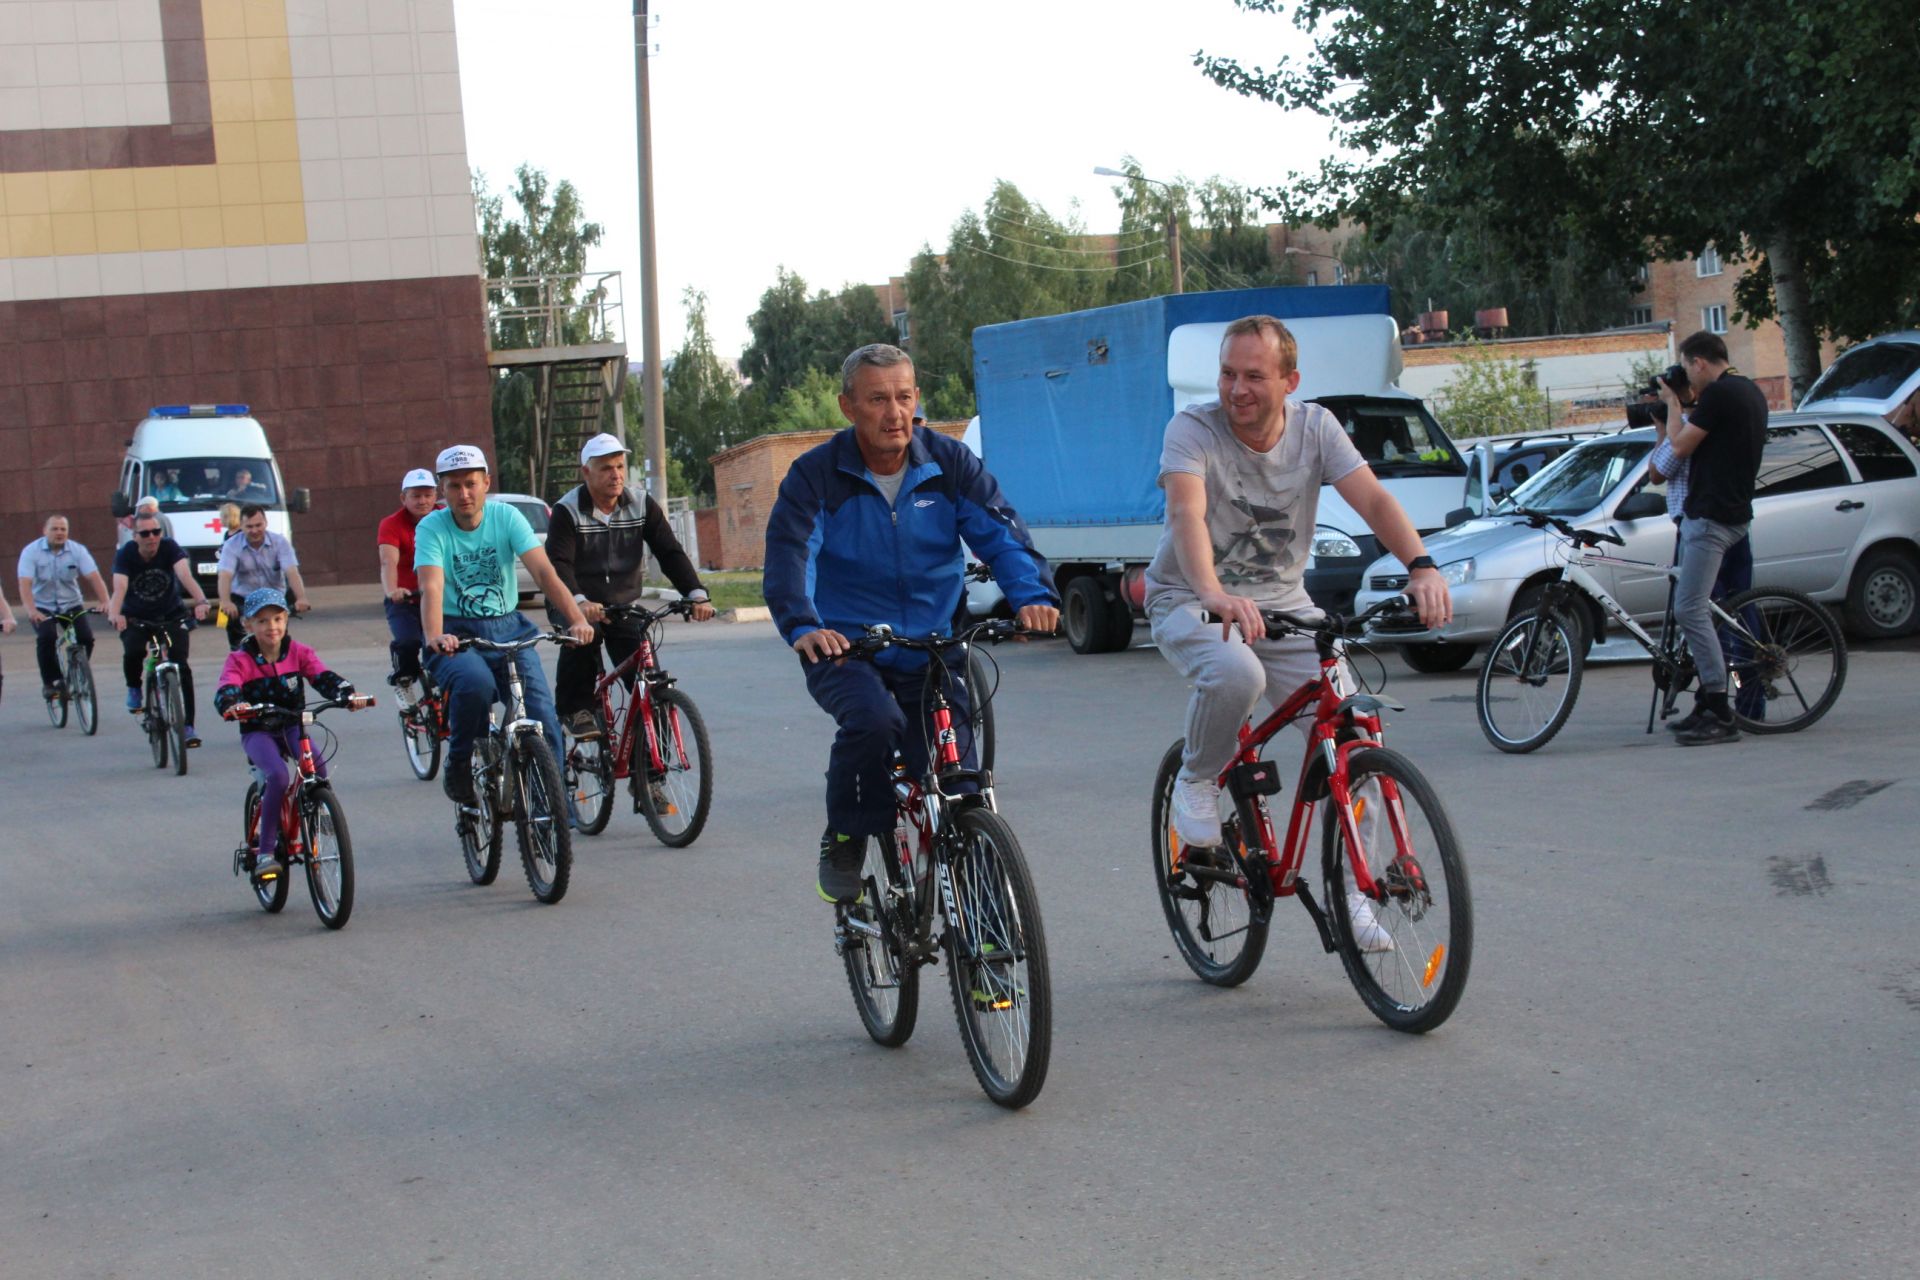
x=269 y=752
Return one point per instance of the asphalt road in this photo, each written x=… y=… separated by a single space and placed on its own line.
x=1688 y=1047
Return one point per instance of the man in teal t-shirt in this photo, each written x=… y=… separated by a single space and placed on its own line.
x=464 y=557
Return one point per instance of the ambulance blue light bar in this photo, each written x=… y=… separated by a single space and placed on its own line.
x=199 y=411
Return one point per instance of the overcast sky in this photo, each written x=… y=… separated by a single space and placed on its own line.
x=839 y=136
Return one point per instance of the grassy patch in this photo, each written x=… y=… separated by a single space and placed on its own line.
x=730 y=590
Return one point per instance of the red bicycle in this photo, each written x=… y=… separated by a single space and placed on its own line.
x=1409 y=870
x=423 y=720
x=313 y=826
x=651 y=735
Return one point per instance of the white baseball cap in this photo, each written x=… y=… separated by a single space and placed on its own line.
x=461 y=457
x=419 y=478
x=600 y=446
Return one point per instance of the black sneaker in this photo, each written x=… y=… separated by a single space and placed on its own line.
x=841 y=858
x=50 y=691
x=1688 y=722
x=583 y=726
x=1712 y=730
x=456 y=779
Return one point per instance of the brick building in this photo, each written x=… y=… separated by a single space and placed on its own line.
x=746 y=479
x=1697 y=293
x=254 y=201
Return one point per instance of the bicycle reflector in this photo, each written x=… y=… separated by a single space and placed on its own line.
x=1433 y=965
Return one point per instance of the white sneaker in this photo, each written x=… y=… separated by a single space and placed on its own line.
x=1196 y=810
x=1367 y=933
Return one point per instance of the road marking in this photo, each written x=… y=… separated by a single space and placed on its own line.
x=1799 y=877
x=1849 y=794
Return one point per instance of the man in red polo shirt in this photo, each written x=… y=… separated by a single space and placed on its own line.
x=397 y=580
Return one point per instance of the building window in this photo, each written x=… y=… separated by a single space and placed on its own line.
x=1708 y=263
x=1641 y=275
x=1313 y=278
x=1339 y=273
x=900 y=325
x=1639 y=315
x=1714 y=319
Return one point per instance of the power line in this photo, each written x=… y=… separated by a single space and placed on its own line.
x=1047 y=266
x=1146 y=236
x=1049 y=248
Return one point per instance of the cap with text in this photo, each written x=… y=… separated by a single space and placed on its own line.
x=600 y=446
x=461 y=457
x=420 y=478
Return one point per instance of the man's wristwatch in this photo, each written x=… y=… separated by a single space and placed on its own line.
x=1421 y=562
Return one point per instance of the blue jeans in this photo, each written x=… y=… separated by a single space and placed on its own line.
x=472 y=681
x=403 y=621
x=1703 y=546
x=872 y=706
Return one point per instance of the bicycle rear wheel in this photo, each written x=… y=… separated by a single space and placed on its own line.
x=1527 y=686
x=885 y=985
x=482 y=834
x=1786 y=661
x=676 y=802
x=57 y=709
x=1424 y=908
x=329 y=857
x=997 y=959
x=540 y=819
x=81 y=695
x=273 y=894
x=420 y=736
x=176 y=720
x=1219 y=933
x=589 y=780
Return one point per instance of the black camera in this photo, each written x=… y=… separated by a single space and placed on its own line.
x=1644 y=413
x=1675 y=377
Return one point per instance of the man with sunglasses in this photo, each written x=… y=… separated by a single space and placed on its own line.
x=151 y=574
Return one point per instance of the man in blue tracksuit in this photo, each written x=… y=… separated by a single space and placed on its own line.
x=867 y=529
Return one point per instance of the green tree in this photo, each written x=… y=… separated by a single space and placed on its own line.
x=1224 y=247
x=1489 y=395
x=948 y=400
x=1785 y=130
x=698 y=399
x=812 y=404
x=543 y=245
x=793 y=333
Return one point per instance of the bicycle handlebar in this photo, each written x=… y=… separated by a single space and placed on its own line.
x=267 y=711
x=881 y=636
x=514 y=646
x=1578 y=536
x=639 y=612
x=1327 y=625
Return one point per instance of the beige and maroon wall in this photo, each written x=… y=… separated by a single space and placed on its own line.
x=255 y=201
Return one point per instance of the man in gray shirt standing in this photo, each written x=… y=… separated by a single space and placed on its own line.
x=51 y=569
x=1243 y=476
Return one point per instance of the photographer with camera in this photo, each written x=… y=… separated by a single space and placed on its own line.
x=1712 y=453
x=1663 y=464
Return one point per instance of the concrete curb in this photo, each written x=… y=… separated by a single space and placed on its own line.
x=751 y=613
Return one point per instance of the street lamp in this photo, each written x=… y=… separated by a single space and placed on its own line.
x=1340 y=267
x=1173 y=220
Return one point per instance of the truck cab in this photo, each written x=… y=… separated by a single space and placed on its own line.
x=194 y=459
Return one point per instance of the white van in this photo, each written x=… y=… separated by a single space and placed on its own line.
x=195 y=458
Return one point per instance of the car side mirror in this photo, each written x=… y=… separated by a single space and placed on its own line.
x=1640 y=506
x=1459 y=515
x=300 y=501
x=121 y=504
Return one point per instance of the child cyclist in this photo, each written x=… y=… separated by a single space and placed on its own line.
x=271 y=670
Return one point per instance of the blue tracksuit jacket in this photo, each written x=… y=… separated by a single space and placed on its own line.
x=838 y=557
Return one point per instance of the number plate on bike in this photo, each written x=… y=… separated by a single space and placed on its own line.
x=1258 y=778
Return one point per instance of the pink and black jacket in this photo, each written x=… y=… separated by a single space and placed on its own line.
x=249 y=677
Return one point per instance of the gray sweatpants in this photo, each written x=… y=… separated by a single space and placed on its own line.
x=1229 y=678
x=1703 y=545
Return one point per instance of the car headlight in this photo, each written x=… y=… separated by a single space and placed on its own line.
x=1334 y=544
x=1460 y=571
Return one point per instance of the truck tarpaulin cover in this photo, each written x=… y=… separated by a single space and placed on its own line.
x=1073 y=407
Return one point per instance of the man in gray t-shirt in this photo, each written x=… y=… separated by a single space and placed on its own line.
x=1243 y=477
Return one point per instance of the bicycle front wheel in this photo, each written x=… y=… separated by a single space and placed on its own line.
x=420 y=737
x=1529 y=682
x=980 y=691
x=885 y=985
x=589 y=779
x=329 y=857
x=675 y=802
x=1214 y=924
x=540 y=819
x=176 y=720
x=57 y=709
x=82 y=696
x=481 y=834
x=997 y=959
x=1410 y=966
x=1786 y=660
x=273 y=894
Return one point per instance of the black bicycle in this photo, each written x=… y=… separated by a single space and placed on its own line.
x=163 y=708
x=76 y=689
x=951 y=876
x=515 y=772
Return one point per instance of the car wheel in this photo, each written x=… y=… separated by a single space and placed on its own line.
x=1436 y=657
x=1884 y=599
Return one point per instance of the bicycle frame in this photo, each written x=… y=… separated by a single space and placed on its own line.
x=290 y=801
x=1573 y=574
x=642 y=672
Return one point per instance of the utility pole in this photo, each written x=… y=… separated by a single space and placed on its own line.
x=652 y=396
x=1173 y=244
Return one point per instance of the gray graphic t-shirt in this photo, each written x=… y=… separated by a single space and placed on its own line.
x=1260 y=506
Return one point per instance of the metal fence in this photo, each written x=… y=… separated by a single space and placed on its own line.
x=553 y=311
